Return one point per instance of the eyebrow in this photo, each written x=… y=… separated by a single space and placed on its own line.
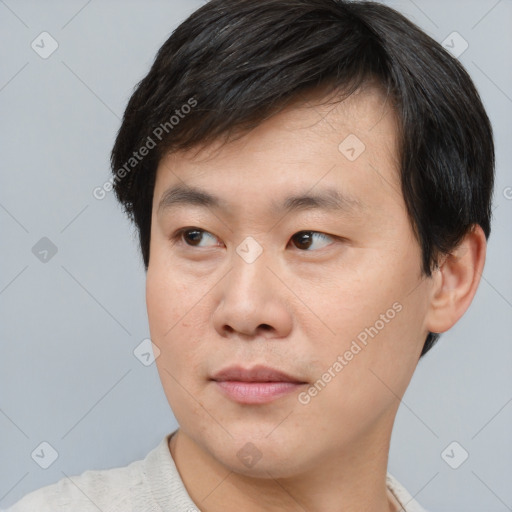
x=328 y=199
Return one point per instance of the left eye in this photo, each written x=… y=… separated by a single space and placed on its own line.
x=305 y=239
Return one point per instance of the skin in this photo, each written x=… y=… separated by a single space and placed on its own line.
x=295 y=308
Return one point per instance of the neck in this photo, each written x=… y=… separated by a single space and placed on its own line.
x=349 y=481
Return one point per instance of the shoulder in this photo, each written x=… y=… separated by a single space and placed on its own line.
x=408 y=503
x=152 y=483
x=106 y=490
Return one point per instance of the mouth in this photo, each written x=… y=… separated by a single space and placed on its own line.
x=257 y=385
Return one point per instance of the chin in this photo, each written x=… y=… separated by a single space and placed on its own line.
x=257 y=454
x=270 y=465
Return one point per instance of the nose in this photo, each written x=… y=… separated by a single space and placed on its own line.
x=252 y=301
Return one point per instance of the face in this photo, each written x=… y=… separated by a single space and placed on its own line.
x=326 y=290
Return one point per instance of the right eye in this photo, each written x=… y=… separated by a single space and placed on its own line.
x=192 y=237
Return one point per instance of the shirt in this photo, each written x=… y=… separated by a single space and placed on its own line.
x=149 y=485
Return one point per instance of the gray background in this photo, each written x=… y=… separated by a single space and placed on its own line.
x=68 y=375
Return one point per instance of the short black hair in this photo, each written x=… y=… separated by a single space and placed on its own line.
x=234 y=63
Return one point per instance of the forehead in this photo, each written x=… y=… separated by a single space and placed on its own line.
x=315 y=142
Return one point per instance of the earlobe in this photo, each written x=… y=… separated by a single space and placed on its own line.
x=455 y=281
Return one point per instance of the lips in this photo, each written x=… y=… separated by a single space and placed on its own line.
x=257 y=385
x=254 y=374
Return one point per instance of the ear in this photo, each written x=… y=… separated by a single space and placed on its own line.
x=455 y=282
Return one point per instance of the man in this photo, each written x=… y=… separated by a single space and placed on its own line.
x=311 y=181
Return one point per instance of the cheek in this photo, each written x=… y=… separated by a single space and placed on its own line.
x=354 y=301
x=376 y=325
x=171 y=298
x=360 y=381
x=173 y=329
x=174 y=314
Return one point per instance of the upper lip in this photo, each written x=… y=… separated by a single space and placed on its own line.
x=255 y=374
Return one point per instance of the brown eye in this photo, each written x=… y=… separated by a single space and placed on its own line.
x=305 y=239
x=193 y=237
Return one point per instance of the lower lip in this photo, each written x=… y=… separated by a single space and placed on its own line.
x=256 y=392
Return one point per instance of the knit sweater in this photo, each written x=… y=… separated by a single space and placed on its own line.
x=149 y=485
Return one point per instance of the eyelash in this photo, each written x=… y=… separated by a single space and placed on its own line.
x=177 y=237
